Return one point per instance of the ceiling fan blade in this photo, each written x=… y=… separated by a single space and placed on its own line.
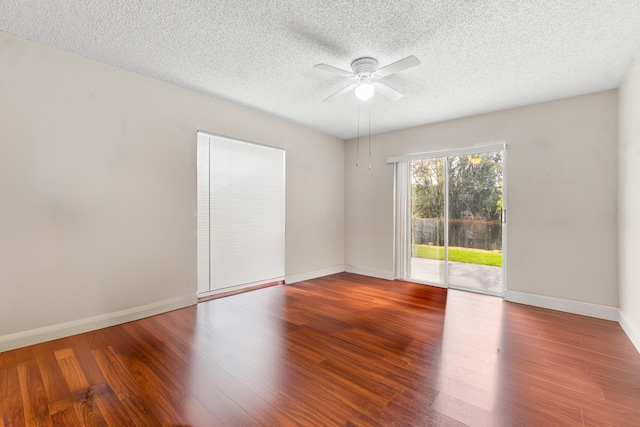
x=334 y=70
x=341 y=92
x=385 y=90
x=403 y=64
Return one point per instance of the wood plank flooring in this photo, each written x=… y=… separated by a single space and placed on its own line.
x=344 y=350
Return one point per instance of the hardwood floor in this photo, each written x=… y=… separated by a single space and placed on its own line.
x=344 y=350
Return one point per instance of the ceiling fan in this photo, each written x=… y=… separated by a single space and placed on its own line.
x=365 y=73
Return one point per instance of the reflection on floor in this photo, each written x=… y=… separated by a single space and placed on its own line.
x=339 y=350
x=485 y=278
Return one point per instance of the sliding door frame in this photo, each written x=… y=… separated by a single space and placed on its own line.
x=402 y=206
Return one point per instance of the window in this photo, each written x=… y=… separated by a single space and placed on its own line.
x=241 y=213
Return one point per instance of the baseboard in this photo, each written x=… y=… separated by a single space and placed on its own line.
x=235 y=290
x=301 y=277
x=569 y=306
x=630 y=330
x=61 y=330
x=387 y=275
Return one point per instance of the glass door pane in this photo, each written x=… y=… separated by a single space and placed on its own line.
x=475 y=222
x=426 y=178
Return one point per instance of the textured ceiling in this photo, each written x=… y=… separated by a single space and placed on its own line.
x=477 y=56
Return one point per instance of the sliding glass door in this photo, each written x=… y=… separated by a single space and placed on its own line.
x=456 y=220
x=427 y=224
x=474 y=222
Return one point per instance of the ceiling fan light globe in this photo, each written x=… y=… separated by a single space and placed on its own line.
x=365 y=91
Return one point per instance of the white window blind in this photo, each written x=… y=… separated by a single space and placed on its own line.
x=203 y=212
x=241 y=213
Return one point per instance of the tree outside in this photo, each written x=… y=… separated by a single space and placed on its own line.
x=475 y=207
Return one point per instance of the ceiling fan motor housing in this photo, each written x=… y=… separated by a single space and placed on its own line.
x=364 y=66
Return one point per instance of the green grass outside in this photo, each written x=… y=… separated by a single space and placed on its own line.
x=469 y=256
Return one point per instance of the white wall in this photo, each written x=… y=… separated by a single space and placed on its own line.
x=629 y=207
x=562 y=195
x=98 y=192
